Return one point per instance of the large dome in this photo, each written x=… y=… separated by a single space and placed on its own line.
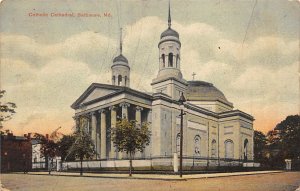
x=204 y=91
x=169 y=32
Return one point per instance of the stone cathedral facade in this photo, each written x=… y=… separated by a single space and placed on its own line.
x=214 y=134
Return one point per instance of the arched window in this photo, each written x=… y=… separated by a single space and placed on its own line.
x=197 y=145
x=163 y=56
x=177 y=60
x=119 y=80
x=125 y=81
x=229 y=149
x=246 y=143
x=178 y=143
x=214 y=148
x=170 y=59
x=114 y=80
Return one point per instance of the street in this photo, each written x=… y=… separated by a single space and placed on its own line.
x=286 y=181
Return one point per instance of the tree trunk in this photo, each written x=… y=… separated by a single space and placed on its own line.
x=81 y=170
x=50 y=166
x=46 y=162
x=130 y=164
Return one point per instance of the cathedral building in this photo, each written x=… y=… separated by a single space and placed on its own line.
x=214 y=133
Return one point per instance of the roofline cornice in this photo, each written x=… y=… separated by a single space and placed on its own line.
x=165 y=40
x=119 y=90
x=169 y=78
x=219 y=100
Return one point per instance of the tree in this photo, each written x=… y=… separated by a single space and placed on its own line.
x=289 y=131
x=83 y=147
x=130 y=137
x=260 y=142
x=7 y=110
x=49 y=149
x=64 y=144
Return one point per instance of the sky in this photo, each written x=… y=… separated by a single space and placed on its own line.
x=247 y=49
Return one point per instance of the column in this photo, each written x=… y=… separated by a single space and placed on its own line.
x=76 y=119
x=138 y=118
x=124 y=107
x=113 y=123
x=138 y=115
x=148 y=148
x=93 y=129
x=103 y=134
x=93 y=126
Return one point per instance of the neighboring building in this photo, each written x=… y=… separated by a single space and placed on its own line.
x=15 y=153
x=38 y=160
x=214 y=132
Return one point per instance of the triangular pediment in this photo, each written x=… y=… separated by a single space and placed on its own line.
x=95 y=91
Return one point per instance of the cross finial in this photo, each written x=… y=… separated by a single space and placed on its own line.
x=121 y=41
x=193 y=74
x=169 y=18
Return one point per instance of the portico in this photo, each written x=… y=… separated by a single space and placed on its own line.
x=102 y=118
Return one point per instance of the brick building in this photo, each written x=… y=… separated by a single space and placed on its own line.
x=16 y=153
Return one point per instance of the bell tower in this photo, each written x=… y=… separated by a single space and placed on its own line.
x=169 y=79
x=120 y=69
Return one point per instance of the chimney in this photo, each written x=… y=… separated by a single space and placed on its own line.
x=10 y=135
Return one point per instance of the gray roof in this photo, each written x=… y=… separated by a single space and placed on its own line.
x=169 y=32
x=120 y=58
x=204 y=91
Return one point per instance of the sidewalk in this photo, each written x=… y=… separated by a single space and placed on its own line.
x=154 y=176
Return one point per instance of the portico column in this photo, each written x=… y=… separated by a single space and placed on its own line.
x=149 y=147
x=103 y=134
x=76 y=119
x=138 y=115
x=113 y=110
x=124 y=109
x=138 y=118
x=93 y=129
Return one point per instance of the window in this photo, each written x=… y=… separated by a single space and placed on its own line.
x=197 y=145
x=114 y=80
x=246 y=143
x=170 y=59
x=228 y=149
x=178 y=143
x=125 y=81
x=119 y=80
x=214 y=148
x=163 y=59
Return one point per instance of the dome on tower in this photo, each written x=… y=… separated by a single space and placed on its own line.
x=120 y=58
x=169 y=32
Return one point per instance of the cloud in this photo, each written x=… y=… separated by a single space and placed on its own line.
x=44 y=79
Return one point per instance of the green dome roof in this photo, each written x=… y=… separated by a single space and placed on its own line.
x=169 y=32
x=204 y=91
x=120 y=58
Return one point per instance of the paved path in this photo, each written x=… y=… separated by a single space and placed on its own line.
x=285 y=181
x=155 y=176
